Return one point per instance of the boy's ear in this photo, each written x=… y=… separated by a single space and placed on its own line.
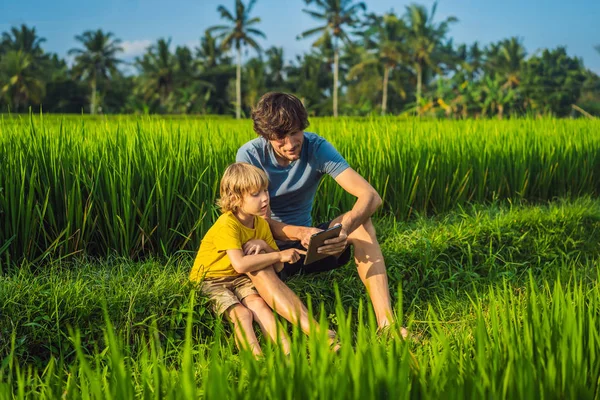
x=236 y=201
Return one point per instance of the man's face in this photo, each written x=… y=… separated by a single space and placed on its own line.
x=290 y=146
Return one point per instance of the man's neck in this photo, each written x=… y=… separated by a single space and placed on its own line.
x=284 y=162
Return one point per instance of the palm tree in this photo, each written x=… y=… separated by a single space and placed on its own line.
x=276 y=67
x=97 y=60
x=506 y=60
x=22 y=83
x=495 y=96
x=209 y=53
x=424 y=39
x=24 y=39
x=336 y=16
x=238 y=34
x=306 y=78
x=386 y=40
x=157 y=72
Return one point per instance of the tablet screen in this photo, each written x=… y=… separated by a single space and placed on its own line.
x=317 y=240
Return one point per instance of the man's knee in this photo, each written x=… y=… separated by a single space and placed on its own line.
x=365 y=232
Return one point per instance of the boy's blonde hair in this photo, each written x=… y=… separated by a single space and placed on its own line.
x=238 y=180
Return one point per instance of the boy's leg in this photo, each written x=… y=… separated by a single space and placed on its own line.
x=221 y=293
x=282 y=299
x=241 y=317
x=265 y=318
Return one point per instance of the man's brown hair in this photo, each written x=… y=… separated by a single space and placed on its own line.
x=277 y=114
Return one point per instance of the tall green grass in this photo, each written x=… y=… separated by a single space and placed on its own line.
x=540 y=342
x=146 y=186
x=441 y=260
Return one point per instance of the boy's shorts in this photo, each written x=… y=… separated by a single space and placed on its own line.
x=227 y=291
x=325 y=264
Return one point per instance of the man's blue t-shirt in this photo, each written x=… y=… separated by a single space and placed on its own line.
x=292 y=188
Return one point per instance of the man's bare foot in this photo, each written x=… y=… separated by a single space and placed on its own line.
x=389 y=330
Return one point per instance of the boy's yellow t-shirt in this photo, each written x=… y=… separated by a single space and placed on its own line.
x=227 y=233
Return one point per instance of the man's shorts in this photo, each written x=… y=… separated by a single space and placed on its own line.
x=227 y=291
x=325 y=264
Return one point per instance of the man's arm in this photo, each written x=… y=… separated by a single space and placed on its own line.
x=283 y=231
x=367 y=199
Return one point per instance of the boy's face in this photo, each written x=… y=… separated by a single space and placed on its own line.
x=290 y=146
x=256 y=202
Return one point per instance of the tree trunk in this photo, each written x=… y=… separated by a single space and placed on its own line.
x=93 y=103
x=500 y=111
x=17 y=104
x=386 y=77
x=238 y=85
x=336 y=62
x=419 y=87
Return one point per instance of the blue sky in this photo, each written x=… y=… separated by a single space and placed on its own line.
x=541 y=24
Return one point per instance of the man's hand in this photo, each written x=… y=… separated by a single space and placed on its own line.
x=307 y=232
x=254 y=246
x=332 y=247
x=290 y=255
x=335 y=246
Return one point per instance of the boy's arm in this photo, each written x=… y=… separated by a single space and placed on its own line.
x=256 y=246
x=278 y=265
x=254 y=262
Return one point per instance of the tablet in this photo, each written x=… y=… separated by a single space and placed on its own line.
x=317 y=240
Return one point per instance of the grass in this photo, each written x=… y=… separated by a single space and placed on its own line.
x=435 y=261
x=490 y=232
x=139 y=187
x=540 y=342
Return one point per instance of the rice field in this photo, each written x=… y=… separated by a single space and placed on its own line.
x=144 y=186
x=490 y=231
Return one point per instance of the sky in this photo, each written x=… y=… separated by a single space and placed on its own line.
x=138 y=23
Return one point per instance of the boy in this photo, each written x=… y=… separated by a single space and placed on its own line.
x=241 y=242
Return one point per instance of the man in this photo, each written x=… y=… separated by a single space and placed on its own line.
x=295 y=161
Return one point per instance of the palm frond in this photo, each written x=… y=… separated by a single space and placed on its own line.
x=312 y=32
x=256 y=32
x=225 y=13
x=315 y=14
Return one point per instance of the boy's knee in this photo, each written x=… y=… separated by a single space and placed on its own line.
x=252 y=300
x=238 y=314
x=255 y=303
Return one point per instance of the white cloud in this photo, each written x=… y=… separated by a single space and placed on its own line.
x=133 y=48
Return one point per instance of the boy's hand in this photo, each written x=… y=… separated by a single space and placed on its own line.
x=290 y=255
x=278 y=267
x=254 y=246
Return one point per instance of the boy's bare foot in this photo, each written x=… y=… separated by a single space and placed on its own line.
x=334 y=344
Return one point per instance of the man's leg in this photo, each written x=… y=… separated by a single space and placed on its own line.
x=371 y=269
x=265 y=318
